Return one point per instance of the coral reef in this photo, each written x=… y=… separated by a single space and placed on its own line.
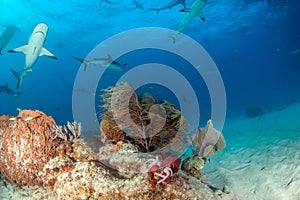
x=193 y=165
x=74 y=171
x=111 y=131
x=27 y=144
x=93 y=180
x=151 y=124
x=208 y=141
x=161 y=171
x=35 y=151
x=31 y=142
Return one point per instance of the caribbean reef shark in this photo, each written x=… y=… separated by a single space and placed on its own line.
x=5 y=37
x=33 y=50
x=103 y=62
x=5 y=89
x=169 y=5
x=190 y=13
x=138 y=5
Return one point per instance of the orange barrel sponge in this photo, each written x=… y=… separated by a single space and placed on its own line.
x=27 y=143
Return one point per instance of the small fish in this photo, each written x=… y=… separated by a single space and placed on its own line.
x=239 y=29
x=56 y=108
x=148 y=87
x=230 y=61
x=31 y=87
x=169 y=5
x=293 y=52
x=19 y=109
x=5 y=89
x=60 y=44
x=5 y=37
x=103 y=62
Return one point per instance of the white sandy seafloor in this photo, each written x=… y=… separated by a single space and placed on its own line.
x=261 y=160
x=262 y=157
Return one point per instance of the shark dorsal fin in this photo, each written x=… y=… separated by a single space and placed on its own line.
x=109 y=57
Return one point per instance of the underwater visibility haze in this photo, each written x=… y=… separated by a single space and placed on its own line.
x=46 y=46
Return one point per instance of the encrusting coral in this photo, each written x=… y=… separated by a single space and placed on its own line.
x=29 y=143
x=151 y=124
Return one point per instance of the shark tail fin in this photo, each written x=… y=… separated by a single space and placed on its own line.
x=18 y=76
x=84 y=62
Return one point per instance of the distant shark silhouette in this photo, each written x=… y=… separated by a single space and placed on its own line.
x=5 y=89
x=138 y=5
x=190 y=13
x=293 y=52
x=108 y=2
x=231 y=61
x=103 y=62
x=5 y=37
x=169 y=5
x=33 y=50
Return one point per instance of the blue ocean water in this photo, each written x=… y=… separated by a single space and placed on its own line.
x=251 y=43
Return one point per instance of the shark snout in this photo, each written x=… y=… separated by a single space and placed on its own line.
x=42 y=27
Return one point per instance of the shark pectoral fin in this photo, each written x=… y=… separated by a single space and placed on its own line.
x=202 y=16
x=79 y=59
x=23 y=49
x=185 y=10
x=45 y=52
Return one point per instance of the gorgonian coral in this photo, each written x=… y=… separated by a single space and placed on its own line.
x=149 y=123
